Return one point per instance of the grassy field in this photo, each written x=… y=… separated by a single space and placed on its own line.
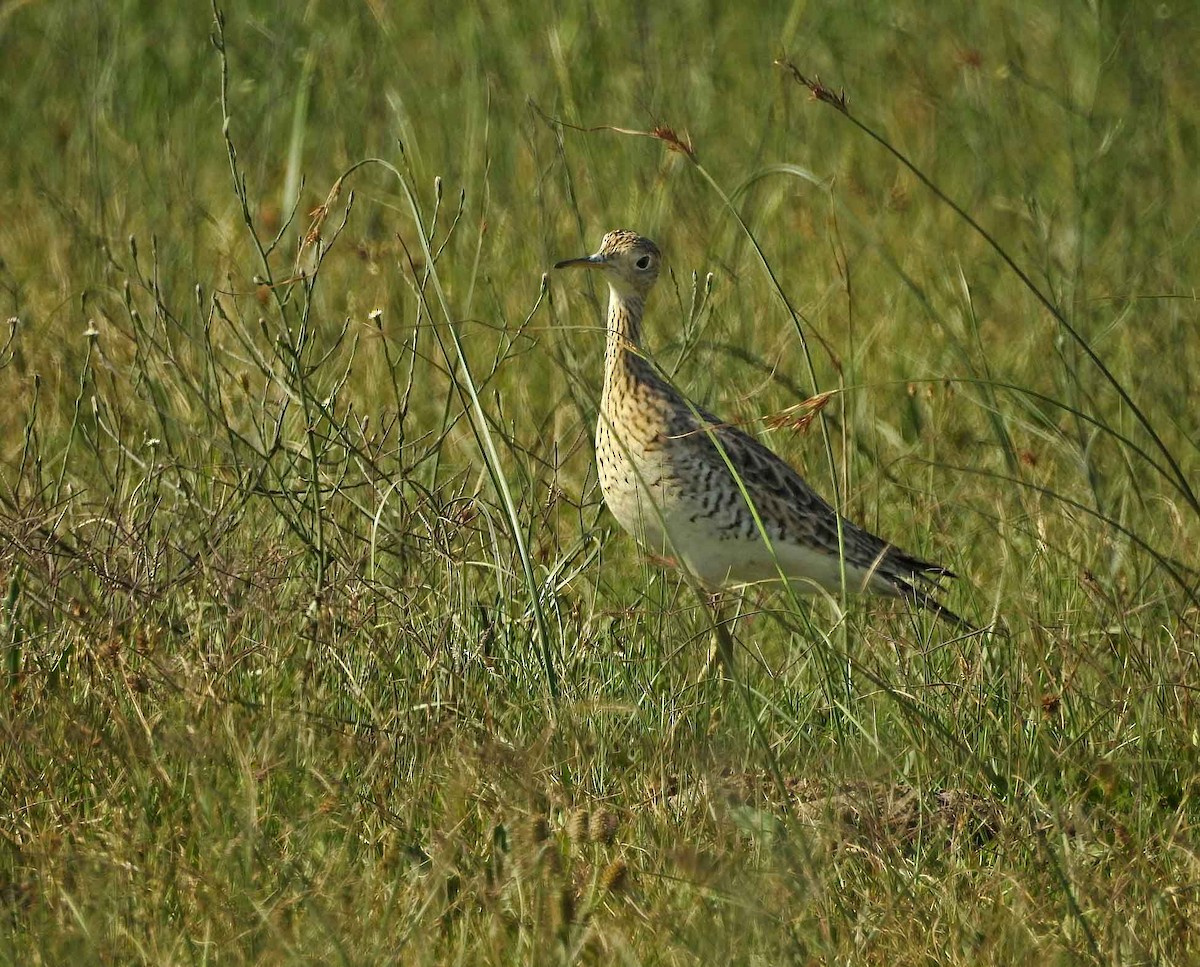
x=317 y=643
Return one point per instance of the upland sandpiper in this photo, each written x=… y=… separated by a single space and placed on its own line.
x=701 y=492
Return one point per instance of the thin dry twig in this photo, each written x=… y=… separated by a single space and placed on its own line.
x=660 y=132
x=798 y=416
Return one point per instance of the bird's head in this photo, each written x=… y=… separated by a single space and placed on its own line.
x=630 y=262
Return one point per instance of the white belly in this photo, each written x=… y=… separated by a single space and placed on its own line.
x=644 y=496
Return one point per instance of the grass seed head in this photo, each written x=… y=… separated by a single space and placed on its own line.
x=615 y=877
x=602 y=827
x=578 y=826
x=563 y=910
x=539 y=830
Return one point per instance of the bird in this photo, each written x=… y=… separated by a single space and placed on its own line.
x=703 y=494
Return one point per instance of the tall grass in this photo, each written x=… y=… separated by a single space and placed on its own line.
x=318 y=644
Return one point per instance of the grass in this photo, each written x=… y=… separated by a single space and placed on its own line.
x=317 y=643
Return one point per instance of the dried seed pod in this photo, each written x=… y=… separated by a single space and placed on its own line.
x=602 y=827
x=615 y=877
x=532 y=847
x=577 y=826
x=563 y=910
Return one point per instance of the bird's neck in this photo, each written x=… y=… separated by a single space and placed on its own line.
x=623 y=347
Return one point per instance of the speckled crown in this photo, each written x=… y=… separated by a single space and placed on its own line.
x=623 y=240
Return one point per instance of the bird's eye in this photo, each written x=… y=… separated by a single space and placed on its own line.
x=643 y=262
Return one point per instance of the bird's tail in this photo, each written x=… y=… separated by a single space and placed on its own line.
x=915 y=579
x=927 y=601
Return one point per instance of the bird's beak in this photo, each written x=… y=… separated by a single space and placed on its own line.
x=586 y=261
